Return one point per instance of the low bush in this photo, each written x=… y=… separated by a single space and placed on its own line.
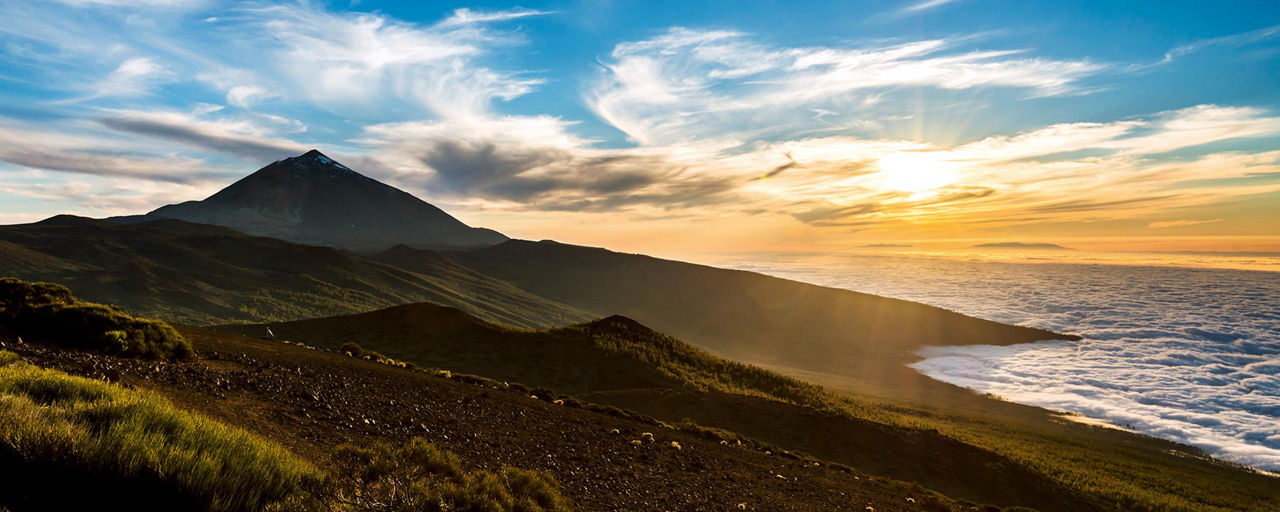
x=417 y=476
x=7 y=358
x=48 y=312
x=355 y=350
x=118 y=449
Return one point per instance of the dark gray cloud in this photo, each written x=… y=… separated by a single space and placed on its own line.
x=791 y=162
x=831 y=215
x=101 y=163
x=547 y=178
x=203 y=136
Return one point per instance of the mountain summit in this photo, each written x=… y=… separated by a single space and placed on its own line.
x=312 y=199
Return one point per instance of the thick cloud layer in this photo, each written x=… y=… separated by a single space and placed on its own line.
x=1190 y=355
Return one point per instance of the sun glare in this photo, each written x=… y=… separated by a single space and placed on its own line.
x=916 y=171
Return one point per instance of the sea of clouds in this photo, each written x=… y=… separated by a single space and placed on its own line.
x=1190 y=355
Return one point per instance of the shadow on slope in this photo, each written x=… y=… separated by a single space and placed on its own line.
x=618 y=361
x=198 y=273
x=743 y=315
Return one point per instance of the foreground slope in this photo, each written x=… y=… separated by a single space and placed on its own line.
x=982 y=449
x=312 y=199
x=199 y=273
x=310 y=401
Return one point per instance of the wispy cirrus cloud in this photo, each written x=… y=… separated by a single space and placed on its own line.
x=1180 y=223
x=1228 y=41
x=719 y=123
x=691 y=83
x=364 y=59
x=914 y=8
x=133 y=76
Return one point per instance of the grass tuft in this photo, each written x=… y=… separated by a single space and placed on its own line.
x=129 y=449
x=417 y=476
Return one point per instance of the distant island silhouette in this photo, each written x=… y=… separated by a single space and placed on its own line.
x=1022 y=245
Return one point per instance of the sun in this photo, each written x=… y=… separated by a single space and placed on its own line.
x=916 y=171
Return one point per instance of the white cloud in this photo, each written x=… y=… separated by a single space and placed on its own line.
x=240 y=95
x=689 y=83
x=133 y=76
x=134 y=3
x=366 y=59
x=926 y=5
x=724 y=121
x=1191 y=355
x=466 y=16
x=1229 y=41
x=1187 y=355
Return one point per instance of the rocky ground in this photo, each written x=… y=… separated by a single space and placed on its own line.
x=311 y=400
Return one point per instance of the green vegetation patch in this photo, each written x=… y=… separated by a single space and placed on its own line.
x=7 y=358
x=69 y=443
x=1120 y=478
x=48 y=311
x=418 y=477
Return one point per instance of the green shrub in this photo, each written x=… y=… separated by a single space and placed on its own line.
x=417 y=476
x=7 y=358
x=49 y=312
x=128 y=450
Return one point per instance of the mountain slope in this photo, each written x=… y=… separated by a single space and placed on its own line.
x=744 y=315
x=311 y=401
x=311 y=199
x=199 y=273
x=615 y=360
x=986 y=451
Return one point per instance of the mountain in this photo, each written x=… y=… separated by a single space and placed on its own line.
x=973 y=448
x=203 y=274
x=312 y=199
x=742 y=315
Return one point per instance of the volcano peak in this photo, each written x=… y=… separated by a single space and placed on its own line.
x=314 y=199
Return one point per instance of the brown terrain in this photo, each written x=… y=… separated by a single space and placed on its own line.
x=311 y=400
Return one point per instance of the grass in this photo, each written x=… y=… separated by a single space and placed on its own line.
x=623 y=363
x=114 y=448
x=417 y=476
x=123 y=449
x=48 y=311
x=1120 y=478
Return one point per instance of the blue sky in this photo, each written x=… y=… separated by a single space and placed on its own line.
x=734 y=124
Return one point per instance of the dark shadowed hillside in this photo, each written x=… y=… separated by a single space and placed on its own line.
x=743 y=315
x=311 y=402
x=985 y=450
x=198 y=273
x=312 y=199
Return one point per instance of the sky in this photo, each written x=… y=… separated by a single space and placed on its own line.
x=669 y=127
